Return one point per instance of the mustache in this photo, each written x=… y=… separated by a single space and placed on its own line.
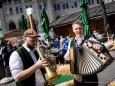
x=31 y=47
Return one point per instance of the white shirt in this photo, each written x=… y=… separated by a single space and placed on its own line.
x=16 y=65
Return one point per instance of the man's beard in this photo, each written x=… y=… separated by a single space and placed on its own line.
x=31 y=47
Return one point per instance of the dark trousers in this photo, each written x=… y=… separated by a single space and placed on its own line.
x=7 y=71
x=89 y=80
x=2 y=72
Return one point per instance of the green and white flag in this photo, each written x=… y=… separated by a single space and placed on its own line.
x=85 y=17
x=1 y=32
x=45 y=24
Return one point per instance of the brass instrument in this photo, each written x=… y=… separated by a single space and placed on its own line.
x=51 y=68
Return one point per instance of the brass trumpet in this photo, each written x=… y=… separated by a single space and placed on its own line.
x=51 y=68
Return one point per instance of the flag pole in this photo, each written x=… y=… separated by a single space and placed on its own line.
x=106 y=25
x=29 y=13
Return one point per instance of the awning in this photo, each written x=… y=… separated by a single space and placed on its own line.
x=12 y=33
x=94 y=12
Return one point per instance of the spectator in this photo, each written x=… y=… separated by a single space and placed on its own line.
x=6 y=55
x=6 y=52
x=2 y=70
x=62 y=51
x=99 y=36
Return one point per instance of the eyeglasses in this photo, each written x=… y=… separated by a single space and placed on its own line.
x=33 y=39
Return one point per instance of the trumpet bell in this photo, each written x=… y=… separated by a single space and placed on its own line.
x=52 y=79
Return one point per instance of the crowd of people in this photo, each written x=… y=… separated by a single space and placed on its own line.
x=6 y=49
x=23 y=63
x=57 y=46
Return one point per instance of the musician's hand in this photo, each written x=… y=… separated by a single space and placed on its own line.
x=98 y=47
x=41 y=63
x=67 y=57
x=77 y=77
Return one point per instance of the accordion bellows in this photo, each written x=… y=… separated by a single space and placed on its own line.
x=86 y=61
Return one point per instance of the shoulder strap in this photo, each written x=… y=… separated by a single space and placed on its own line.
x=36 y=54
x=85 y=38
x=19 y=51
x=72 y=43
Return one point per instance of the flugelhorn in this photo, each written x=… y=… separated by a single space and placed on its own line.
x=51 y=68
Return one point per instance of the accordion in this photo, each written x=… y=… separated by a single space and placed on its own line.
x=85 y=60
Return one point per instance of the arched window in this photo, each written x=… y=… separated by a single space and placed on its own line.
x=12 y=26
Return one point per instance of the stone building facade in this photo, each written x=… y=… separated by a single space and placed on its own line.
x=12 y=10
